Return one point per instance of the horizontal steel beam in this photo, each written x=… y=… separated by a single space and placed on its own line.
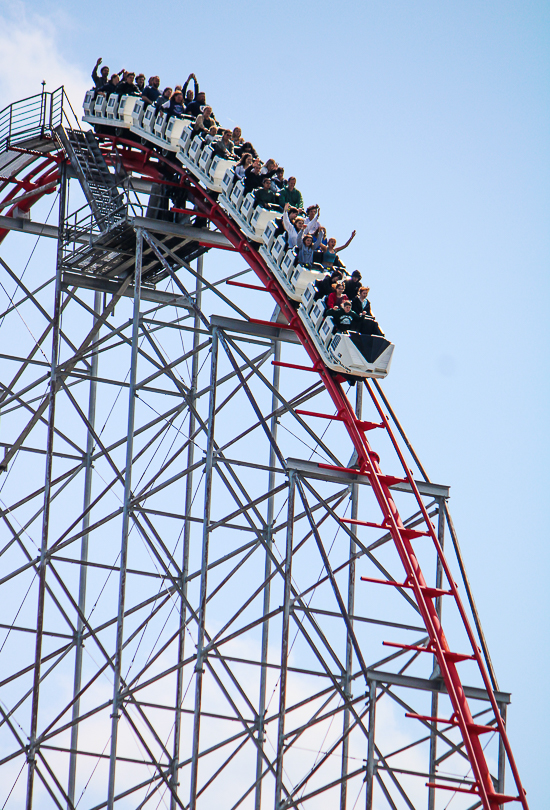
x=312 y=470
x=27 y=226
x=257 y=329
x=112 y=287
x=138 y=184
x=202 y=235
x=40 y=229
x=429 y=685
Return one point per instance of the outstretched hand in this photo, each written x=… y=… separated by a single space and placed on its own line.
x=99 y=61
x=352 y=234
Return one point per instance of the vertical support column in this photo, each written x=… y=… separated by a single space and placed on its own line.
x=370 y=750
x=186 y=540
x=83 y=561
x=199 y=666
x=42 y=566
x=284 y=640
x=435 y=695
x=501 y=754
x=351 y=609
x=115 y=716
x=267 y=581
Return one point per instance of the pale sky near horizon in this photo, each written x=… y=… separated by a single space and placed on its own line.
x=424 y=125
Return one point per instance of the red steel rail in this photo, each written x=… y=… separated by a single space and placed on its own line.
x=23 y=192
x=141 y=158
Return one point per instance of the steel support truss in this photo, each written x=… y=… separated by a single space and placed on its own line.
x=184 y=529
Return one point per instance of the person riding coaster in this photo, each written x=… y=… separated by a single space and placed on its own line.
x=346 y=320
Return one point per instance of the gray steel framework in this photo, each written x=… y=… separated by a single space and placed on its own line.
x=183 y=620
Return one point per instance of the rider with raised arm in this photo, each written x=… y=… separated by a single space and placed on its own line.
x=101 y=81
x=307 y=247
x=190 y=95
x=292 y=223
x=330 y=251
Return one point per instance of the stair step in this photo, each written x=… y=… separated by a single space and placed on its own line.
x=98 y=183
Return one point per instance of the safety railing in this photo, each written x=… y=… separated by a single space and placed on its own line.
x=32 y=117
x=81 y=226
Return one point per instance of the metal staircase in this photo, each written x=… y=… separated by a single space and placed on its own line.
x=98 y=183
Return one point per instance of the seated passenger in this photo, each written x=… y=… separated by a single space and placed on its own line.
x=252 y=176
x=337 y=297
x=327 y=284
x=204 y=121
x=353 y=284
x=236 y=137
x=361 y=306
x=195 y=107
x=246 y=147
x=255 y=174
x=330 y=252
x=290 y=194
x=243 y=165
x=267 y=198
x=307 y=247
x=152 y=92
x=224 y=147
x=127 y=87
x=212 y=135
x=312 y=218
x=190 y=95
x=100 y=81
x=140 y=82
x=110 y=87
x=174 y=107
x=278 y=182
x=269 y=167
x=166 y=96
x=345 y=320
x=361 y=303
x=292 y=224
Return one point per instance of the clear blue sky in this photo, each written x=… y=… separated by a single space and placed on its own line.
x=425 y=126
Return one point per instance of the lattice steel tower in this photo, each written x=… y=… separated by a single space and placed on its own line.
x=212 y=596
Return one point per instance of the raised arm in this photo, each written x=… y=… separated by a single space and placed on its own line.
x=320 y=236
x=185 y=86
x=343 y=247
x=287 y=224
x=312 y=224
x=95 y=77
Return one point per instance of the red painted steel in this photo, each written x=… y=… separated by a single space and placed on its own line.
x=42 y=184
x=293 y=365
x=248 y=286
x=142 y=159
